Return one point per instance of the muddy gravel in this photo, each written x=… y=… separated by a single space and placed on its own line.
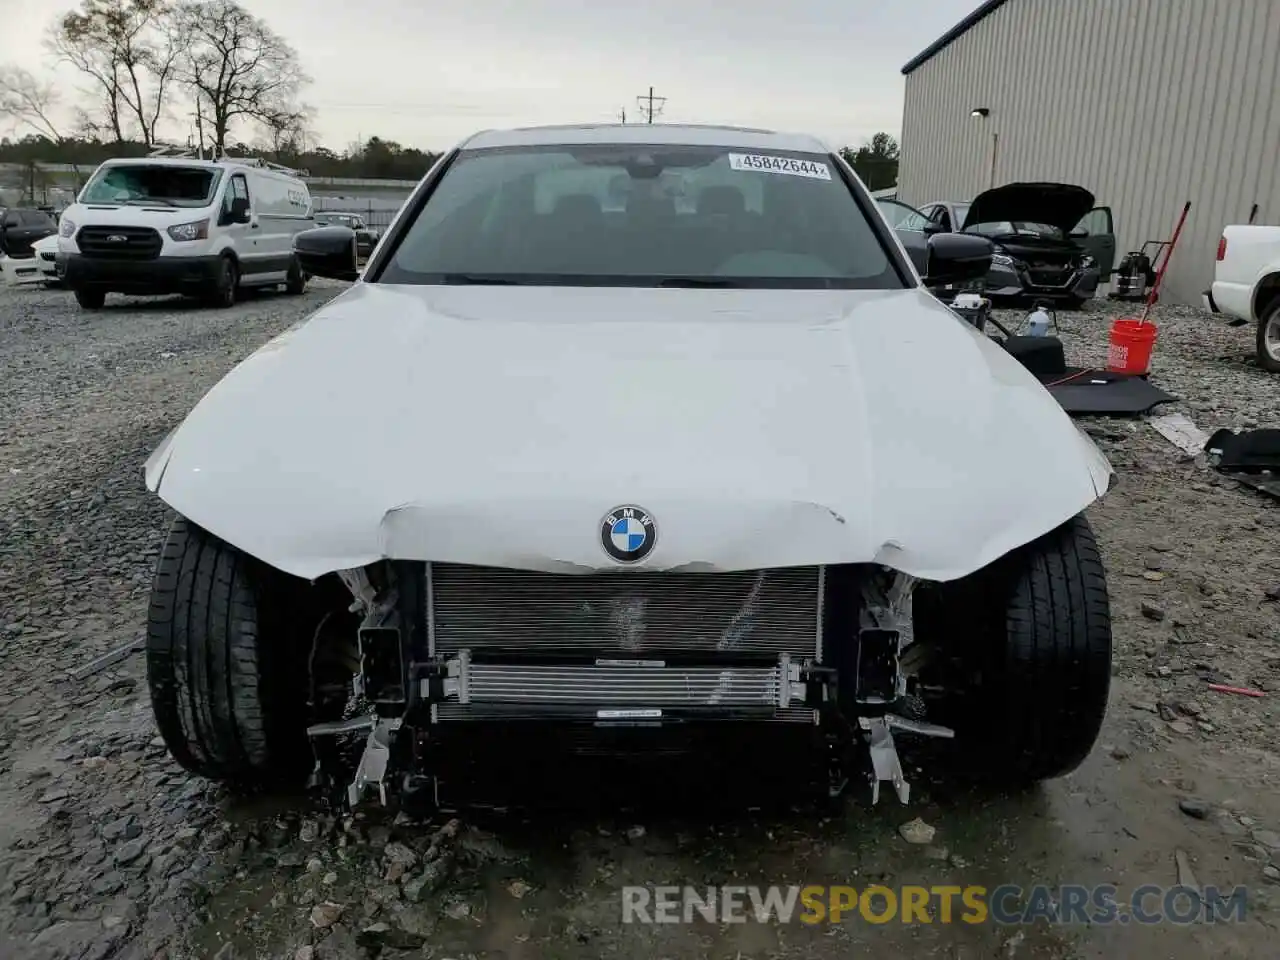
x=108 y=849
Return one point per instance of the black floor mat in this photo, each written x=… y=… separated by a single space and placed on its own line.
x=1101 y=392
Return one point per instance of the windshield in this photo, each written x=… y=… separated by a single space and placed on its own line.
x=642 y=215
x=166 y=185
x=1005 y=228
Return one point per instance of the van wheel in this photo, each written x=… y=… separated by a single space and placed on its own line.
x=295 y=281
x=225 y=285
x=90 y=298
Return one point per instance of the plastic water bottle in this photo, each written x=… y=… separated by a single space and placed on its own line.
x=1037 y=322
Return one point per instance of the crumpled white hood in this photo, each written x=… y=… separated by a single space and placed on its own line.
x=498 y=426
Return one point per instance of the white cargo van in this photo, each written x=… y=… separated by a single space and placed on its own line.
x=165 y=225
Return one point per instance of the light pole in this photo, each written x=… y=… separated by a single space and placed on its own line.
x=983 y=113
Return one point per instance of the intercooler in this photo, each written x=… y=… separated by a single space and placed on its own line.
x=626 y=646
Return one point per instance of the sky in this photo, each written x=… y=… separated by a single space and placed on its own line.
x=429 y=74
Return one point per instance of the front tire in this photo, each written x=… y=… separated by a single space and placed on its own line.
x=226 y=284
x=227 y=685
x=90 y=298
x=1029 y=643
x=1269 y=337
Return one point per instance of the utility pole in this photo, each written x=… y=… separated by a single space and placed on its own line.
x=200 y=128
x=650 y=105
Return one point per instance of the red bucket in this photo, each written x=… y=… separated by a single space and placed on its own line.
x=1131 y=344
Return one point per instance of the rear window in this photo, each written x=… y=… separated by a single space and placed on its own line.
x=168 y=185
x=643 y=215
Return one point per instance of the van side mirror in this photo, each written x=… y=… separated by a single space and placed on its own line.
x=327 y=252
x=239 y=212
x=957 y=257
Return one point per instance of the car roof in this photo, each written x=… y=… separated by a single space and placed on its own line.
x=652 y=133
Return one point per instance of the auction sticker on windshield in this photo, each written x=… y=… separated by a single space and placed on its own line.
x=788 y=165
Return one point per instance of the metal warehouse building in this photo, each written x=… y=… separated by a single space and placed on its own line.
x=1147 y=103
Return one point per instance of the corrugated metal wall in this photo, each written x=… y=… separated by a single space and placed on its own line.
x=1148 y=103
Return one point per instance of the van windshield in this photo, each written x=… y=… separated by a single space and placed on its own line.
x=167 y=185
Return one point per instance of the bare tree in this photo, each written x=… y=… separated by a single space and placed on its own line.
x=288 y=134
x=128 y=50
x=27 y=102
x=236 y=68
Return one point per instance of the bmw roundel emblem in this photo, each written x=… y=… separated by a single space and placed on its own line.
x=628 y=533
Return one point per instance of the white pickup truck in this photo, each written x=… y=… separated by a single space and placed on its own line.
x=1246 y=285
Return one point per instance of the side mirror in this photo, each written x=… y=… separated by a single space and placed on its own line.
x=1079 y=233
x=956 y=257
x=239 y=210
x=932 y=227
x=327 y=252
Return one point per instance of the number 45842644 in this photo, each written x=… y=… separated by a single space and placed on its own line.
x=792 y=166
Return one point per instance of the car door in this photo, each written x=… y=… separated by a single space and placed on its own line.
x=940 y=217
x=245 y=236
x=1096 y=234
x=910 y=225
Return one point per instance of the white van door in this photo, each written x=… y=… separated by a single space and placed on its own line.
x=254 y=244
x=282 y=206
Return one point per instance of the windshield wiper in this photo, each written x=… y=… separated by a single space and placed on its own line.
x=708 y=282
x=480 y=278
x=146 y=201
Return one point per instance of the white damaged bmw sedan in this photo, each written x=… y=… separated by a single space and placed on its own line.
x=629 y=440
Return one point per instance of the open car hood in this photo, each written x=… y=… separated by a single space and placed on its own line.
x=498 y=426
x=1059 y=205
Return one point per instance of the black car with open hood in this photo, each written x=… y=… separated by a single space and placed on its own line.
x=1052 y=242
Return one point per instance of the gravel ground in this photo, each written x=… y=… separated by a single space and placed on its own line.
x=108 y=849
